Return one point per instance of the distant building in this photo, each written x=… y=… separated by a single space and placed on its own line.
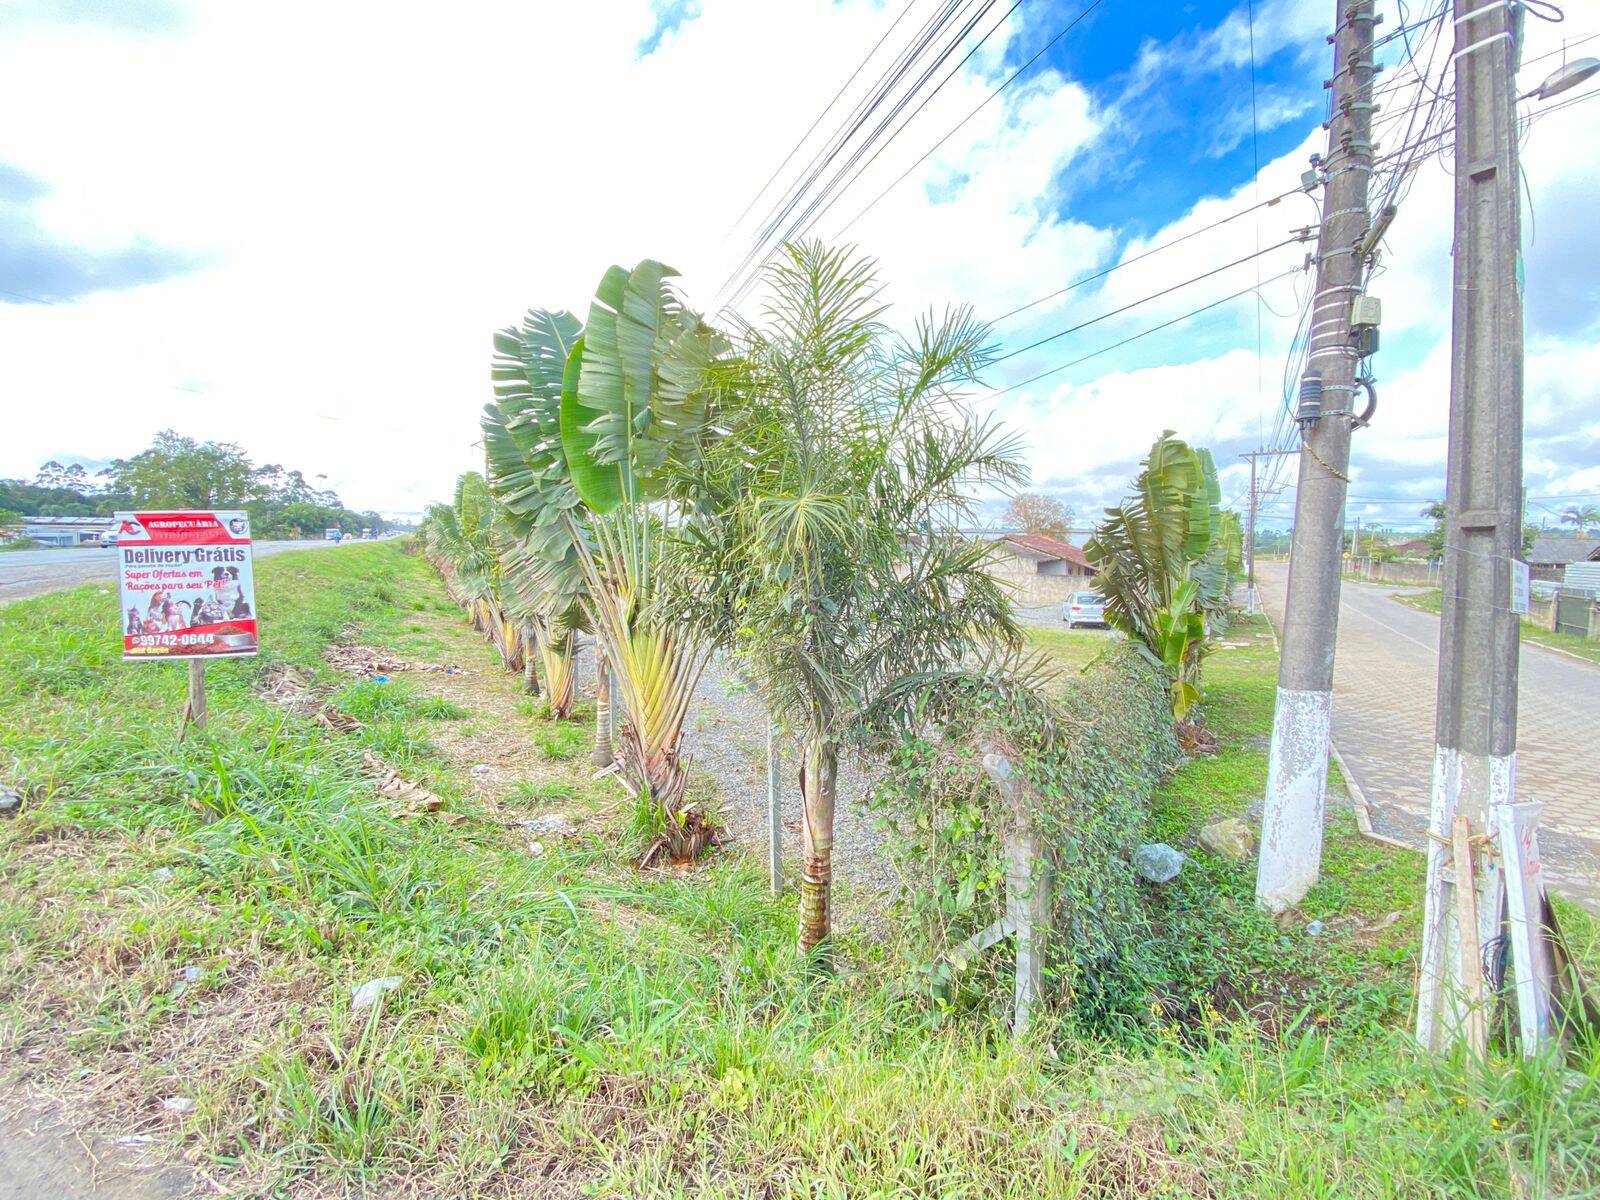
x=66 y=531
x=1039 y=569
x=1551 y=554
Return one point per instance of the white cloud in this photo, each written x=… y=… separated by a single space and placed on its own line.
x=379 y=187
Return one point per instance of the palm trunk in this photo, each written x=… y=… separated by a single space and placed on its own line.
x=559 y=679
x=603 y=755
x=818 y=786
x=530 y=657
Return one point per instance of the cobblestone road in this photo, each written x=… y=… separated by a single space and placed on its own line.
x=1384 y=678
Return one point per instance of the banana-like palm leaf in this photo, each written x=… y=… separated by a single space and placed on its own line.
x=528 y=470
x=640 y=398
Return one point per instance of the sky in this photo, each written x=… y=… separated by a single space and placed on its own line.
x=295 y=227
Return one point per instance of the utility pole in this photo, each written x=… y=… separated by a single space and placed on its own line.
x=1250 y=532
x=1475 y=760
x=1256 y=493
x=1291 y=826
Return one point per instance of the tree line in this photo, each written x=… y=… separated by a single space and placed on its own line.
x=178 y=472
x=789 y=493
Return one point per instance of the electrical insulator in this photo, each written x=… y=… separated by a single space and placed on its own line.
x=1310 y=398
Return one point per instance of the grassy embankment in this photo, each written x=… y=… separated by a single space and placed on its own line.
x=565 y=1026
x=1570 y=642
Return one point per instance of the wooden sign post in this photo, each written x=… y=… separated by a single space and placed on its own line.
x=194 y=712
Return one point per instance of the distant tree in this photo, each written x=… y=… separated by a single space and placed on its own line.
x=1530 y=533
x=1039 y=515
x=1582 y=517
x=1435 y=536
x=179 y=472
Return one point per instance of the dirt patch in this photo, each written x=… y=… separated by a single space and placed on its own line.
x=369 y=662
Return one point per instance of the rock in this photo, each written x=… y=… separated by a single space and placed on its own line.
x=178 y=1104
x=10 y=801
x=1157 y=862
x=481 y=769
x=192 y=974
x=163 y=874
x=1315 y=928
x=367 y=994
x=1229 y=838
x=536 y=849
x=558 y=823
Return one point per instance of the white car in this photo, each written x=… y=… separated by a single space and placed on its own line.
x=1084 y=608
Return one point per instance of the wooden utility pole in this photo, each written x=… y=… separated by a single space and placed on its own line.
x=1297 y=772
x=1475 y=752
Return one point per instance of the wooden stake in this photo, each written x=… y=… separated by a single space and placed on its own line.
x=1476 y=1025
x=194 y=711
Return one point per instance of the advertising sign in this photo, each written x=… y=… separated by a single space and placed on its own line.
x=187 y=587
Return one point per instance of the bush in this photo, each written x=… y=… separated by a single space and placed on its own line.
x=1092 y=755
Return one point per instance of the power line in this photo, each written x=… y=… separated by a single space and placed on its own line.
x=1146 y=299
x=1068 y=28
x=837 y=96
x=1194 y=312
x=1127 y=262
x=755 y=255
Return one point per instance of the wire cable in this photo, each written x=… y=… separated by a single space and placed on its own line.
x=1106 y=316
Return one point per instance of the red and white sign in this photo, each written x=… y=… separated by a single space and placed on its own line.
x=188 y=590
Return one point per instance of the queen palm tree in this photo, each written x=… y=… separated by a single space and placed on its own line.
x=819 y=550
x=1582 y=517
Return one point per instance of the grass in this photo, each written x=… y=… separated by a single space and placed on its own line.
x=1571 y=643
x=566 y=1026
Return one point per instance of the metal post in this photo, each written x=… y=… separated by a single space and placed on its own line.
x=1291 y=826
x=1474 y=774
x=774 y=810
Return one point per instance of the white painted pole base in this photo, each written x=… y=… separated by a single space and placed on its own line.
x=1297 y=784
x=1479 y=787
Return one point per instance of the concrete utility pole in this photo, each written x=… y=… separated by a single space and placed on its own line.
x=1291 y=826
x=1475 y=759
x=1256 y=493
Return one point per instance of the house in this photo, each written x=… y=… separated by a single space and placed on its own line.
x=1039 y=569
x=66 y=531
x=1550 y=554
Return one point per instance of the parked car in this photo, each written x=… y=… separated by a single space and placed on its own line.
x=1084 y=608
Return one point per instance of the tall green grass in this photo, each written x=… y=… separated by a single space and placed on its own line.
x=565 y=1025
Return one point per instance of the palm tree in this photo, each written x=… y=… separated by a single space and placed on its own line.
x=588 y=425
x=1152 y=557
x=532 y=487
x=819 y=545
x=1581 y=517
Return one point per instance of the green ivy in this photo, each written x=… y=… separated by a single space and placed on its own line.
x=1092 y=750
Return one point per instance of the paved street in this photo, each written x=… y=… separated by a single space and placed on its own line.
x=1385 y=676
x=26 y=573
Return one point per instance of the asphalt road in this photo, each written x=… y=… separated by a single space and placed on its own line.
x=1384 y=680
x=25 y=573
